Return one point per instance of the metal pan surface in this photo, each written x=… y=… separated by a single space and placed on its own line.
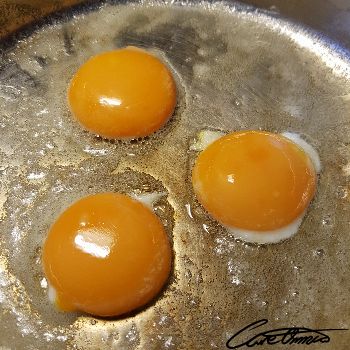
x=236 y=68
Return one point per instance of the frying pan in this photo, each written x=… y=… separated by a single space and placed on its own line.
x=236 y=68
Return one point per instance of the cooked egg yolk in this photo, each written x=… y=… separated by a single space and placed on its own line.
x=125 y=93
x=254 y=180
x=106 y=255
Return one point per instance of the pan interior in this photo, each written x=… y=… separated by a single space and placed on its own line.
x=235 y=69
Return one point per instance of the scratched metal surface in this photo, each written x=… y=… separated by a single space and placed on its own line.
x=235 y=68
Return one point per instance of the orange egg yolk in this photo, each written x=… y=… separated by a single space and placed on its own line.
x=125 y=93
x=254 y=180
x=106 y=255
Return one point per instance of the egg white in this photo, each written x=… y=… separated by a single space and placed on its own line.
x=204 y=139
x=308 y=149
x=51 y=293
x=207 y=137
x=267 y=237
x=148 y=199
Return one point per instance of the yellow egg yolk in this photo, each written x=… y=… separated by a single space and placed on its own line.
x=124 y=93
x=106 y=255
x=254 y=180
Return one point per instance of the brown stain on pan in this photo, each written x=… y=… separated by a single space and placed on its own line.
x=16 y=14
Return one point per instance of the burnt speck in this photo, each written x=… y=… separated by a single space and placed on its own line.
x=14 y=79
x=42 y=61
x=68 y=41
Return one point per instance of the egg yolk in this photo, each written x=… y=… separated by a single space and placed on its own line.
x=124 y=93
x=106 y=255
x=254 y=180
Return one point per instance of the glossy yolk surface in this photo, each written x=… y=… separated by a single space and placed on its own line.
x=124 y=93
x=254 y=180
x=106 y=255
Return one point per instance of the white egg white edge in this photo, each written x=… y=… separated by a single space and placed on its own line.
x=205 y=138
x=267 y=237
x=308 y=149
x=51 y=293
x=148 y=199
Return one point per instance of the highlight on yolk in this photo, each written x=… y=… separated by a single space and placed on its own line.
x=254 y=180
x=124 y=93
x=106 y=255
